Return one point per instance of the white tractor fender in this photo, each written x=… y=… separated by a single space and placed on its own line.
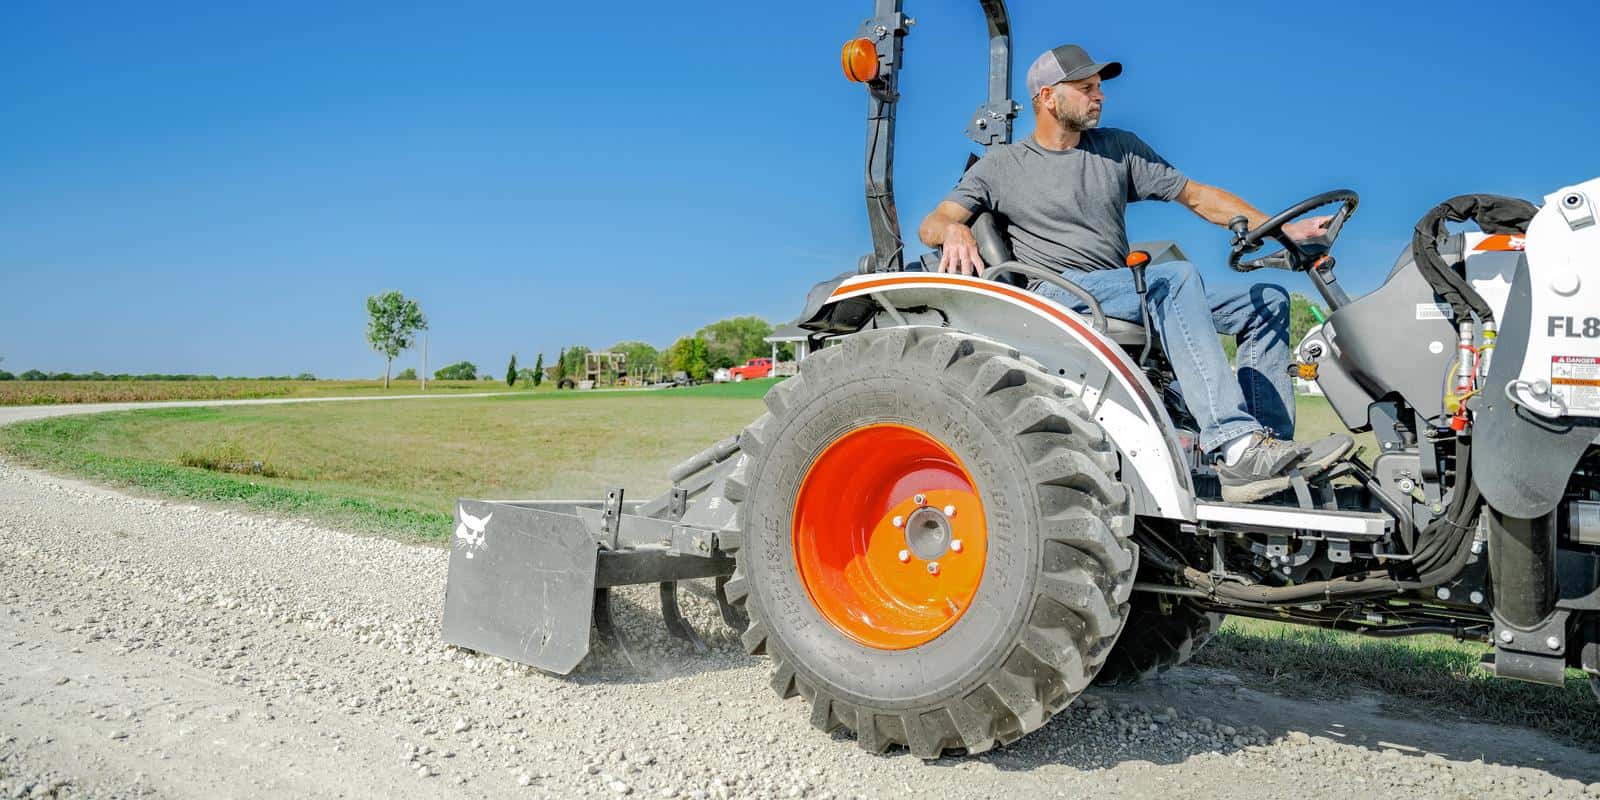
x=1070 y=349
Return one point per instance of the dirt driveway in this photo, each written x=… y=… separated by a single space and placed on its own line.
x=164 y=649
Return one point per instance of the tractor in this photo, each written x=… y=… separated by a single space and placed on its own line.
x=973 y=502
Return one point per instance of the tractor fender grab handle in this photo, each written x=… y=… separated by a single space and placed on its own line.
x=1055 y=279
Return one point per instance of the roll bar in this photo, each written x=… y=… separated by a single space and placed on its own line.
x=990 y=124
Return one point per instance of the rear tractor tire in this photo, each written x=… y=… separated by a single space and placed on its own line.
x=932 y=542
x=1162 y=632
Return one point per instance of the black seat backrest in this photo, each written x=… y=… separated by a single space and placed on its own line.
x=993 y=244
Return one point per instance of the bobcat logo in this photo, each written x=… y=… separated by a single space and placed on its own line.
x=470 y=531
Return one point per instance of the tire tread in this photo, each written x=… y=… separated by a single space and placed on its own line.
x=1084 y=510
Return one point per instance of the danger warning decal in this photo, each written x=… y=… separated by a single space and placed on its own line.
x=1575 y=382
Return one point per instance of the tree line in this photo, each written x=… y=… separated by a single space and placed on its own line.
x=724 y=343
x=394 y=320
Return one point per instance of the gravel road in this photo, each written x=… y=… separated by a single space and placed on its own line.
x=161 y=649
x=10 y=414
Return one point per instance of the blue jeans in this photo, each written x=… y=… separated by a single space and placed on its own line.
x=1188 y=317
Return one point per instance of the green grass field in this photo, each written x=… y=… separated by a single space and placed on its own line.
x=395 y=469
x=381 y=465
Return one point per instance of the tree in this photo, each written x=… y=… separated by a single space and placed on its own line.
x=459 y=371
x=735 y=340
x=392 y=325
x=574 y=363
x=407 y=374
x=642 y=358
x=511 y=371
x=538 y=371
x=698 y=363
x=34 y=375
x=561 y=367
x=688 y=355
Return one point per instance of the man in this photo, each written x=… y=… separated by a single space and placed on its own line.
x=1064 y=192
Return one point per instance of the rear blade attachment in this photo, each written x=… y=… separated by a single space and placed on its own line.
x=529 y=578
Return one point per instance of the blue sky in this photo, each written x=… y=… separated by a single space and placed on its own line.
x=205 y=187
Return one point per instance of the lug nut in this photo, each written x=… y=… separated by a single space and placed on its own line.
x=905 y=555
x=920 y=500
x=1442 y=593
x=1507 y=636
x=899 y=522
x=949 y=511
x=1476 y=597
x=955 y=545
x=933 y=568
x=1554 y=643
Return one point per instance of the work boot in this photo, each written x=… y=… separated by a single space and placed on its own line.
x=1324 y=453
x=1263 y=469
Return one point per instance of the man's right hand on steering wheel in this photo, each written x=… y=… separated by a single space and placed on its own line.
x=1308 y=228
x=1305 y=242
x=960 y=251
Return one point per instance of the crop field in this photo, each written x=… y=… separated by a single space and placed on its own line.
x=395 y=469
x=18 y=392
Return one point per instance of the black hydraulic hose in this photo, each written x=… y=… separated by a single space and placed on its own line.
x=1494 y=214
x=1160 y=560
x=1445 y=541
x=1446 y=545
x=1458 y=535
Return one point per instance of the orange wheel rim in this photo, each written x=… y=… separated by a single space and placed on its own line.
x=889 y=536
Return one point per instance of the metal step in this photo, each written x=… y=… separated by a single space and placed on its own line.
x=1358 y=524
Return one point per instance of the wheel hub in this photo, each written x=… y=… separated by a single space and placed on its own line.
x=889 y=536
x=928 y=533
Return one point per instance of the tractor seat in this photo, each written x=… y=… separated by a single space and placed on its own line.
x=1125 y=333
x=994 y=249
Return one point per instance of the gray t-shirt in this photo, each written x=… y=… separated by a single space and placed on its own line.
x=1065 y=209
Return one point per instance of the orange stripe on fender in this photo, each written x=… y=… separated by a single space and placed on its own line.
x=1110 y=351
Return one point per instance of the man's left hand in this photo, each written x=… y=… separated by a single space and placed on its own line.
x=1308 y=228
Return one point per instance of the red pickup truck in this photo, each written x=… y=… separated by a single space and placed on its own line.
x=754 y=368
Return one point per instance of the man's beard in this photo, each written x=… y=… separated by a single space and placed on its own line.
x=1075 y=122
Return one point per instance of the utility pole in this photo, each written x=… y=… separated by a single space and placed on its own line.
x=424 y=361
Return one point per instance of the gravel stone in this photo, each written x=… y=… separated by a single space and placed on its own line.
x=289 y=659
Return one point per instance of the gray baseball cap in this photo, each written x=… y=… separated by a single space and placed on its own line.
x=1068 y=62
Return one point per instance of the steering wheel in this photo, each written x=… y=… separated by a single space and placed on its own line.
x=1296 y=256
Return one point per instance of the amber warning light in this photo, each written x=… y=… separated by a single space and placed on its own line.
x=860 y=60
